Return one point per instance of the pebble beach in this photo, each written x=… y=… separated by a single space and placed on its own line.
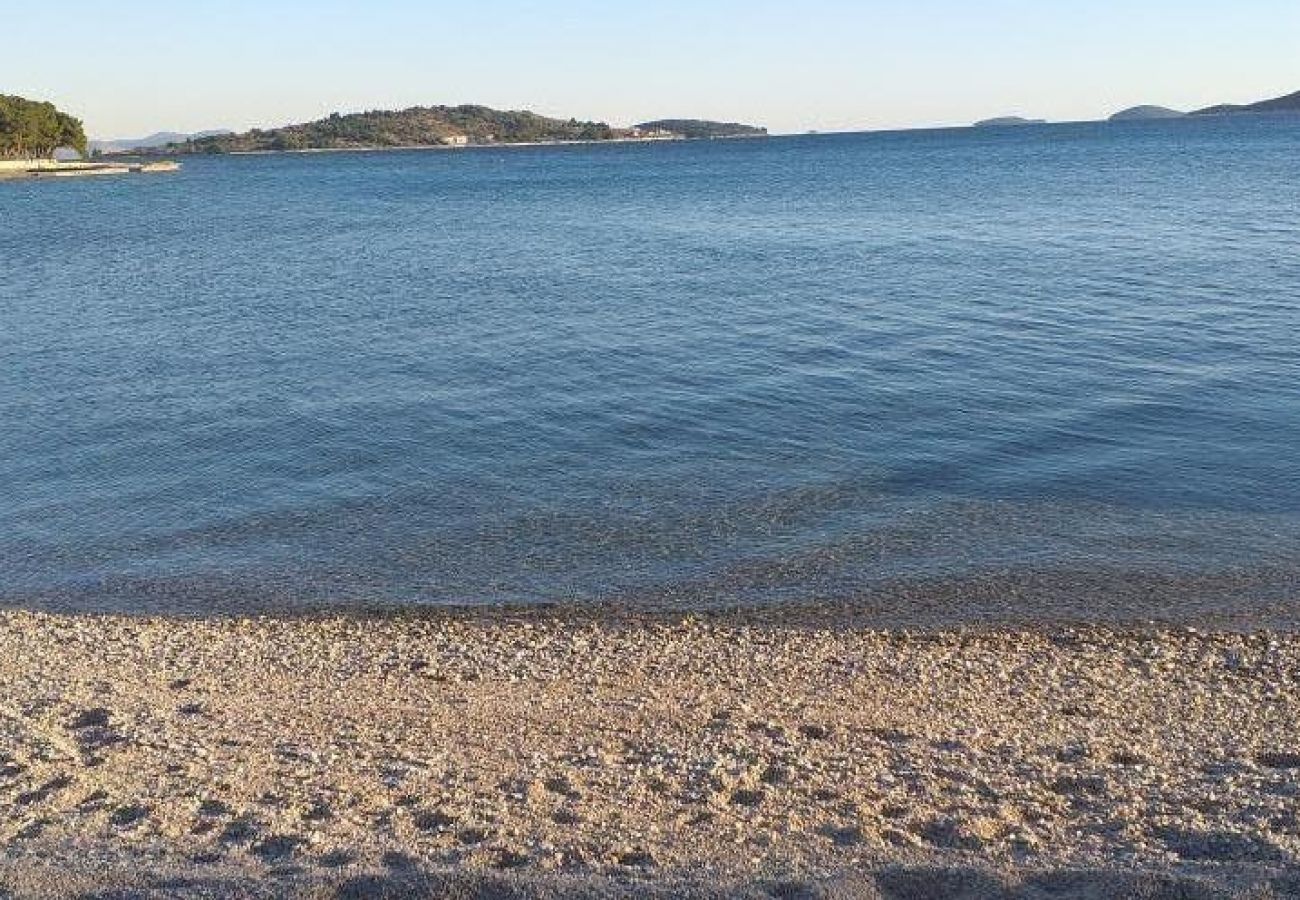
x=582 y=753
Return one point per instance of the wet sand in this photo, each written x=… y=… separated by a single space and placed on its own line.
x=562 y=753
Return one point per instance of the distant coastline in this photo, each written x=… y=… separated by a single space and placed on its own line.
x=442 y=127
x=462 y=127
x=1289 y=103
x=448 y=148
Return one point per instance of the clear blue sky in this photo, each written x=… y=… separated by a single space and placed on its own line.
x=135 y=67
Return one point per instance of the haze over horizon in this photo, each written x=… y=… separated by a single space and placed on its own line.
x=828 y=65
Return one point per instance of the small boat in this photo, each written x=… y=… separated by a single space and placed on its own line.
x=162 y=165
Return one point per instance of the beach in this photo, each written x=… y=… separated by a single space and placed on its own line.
x=780 y=476
x=598 y=752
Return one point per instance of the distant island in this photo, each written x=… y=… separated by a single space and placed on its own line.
x=700 y=129
x=1008 y=121
x=1143 y=113
x=1289 y=103
x=150 y=142
x=1149 y=112
x=447 y=126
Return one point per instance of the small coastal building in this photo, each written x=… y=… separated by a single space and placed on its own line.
x=651 y=134
x=456 y=140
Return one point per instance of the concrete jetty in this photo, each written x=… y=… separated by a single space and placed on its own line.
x=54 y=168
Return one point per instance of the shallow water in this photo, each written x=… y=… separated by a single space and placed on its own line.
x=752 y=371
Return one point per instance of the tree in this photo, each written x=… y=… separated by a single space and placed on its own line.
x=72 y=134
x=31 y=130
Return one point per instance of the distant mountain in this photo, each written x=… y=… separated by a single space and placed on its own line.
x=158 y=139
x=1008 y=121
x=698 y=129
x=1289 y=103
x=1140 y=113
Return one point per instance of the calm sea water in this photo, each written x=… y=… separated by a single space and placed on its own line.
x=973 y=369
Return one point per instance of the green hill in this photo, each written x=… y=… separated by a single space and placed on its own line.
x=420 y=126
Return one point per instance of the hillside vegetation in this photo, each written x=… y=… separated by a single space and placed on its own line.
x=698 y=129
x=31 y=129
x=430 y=126
x=416 y=127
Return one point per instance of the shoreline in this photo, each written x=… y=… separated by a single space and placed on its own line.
x=673 y=752
x=1241 y=601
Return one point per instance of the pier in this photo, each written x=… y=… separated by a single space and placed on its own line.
x=53 y=168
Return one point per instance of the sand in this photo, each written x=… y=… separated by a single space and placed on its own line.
x=563 y=753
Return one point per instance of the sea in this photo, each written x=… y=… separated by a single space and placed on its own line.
x=984 y=375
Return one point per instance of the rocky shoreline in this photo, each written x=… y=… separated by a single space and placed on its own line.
x=643 y=753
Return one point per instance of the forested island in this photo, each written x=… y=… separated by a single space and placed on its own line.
x=701 y=129
x=432 y=126
x=32 y=129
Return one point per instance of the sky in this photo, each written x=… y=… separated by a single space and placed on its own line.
x=831 y=65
